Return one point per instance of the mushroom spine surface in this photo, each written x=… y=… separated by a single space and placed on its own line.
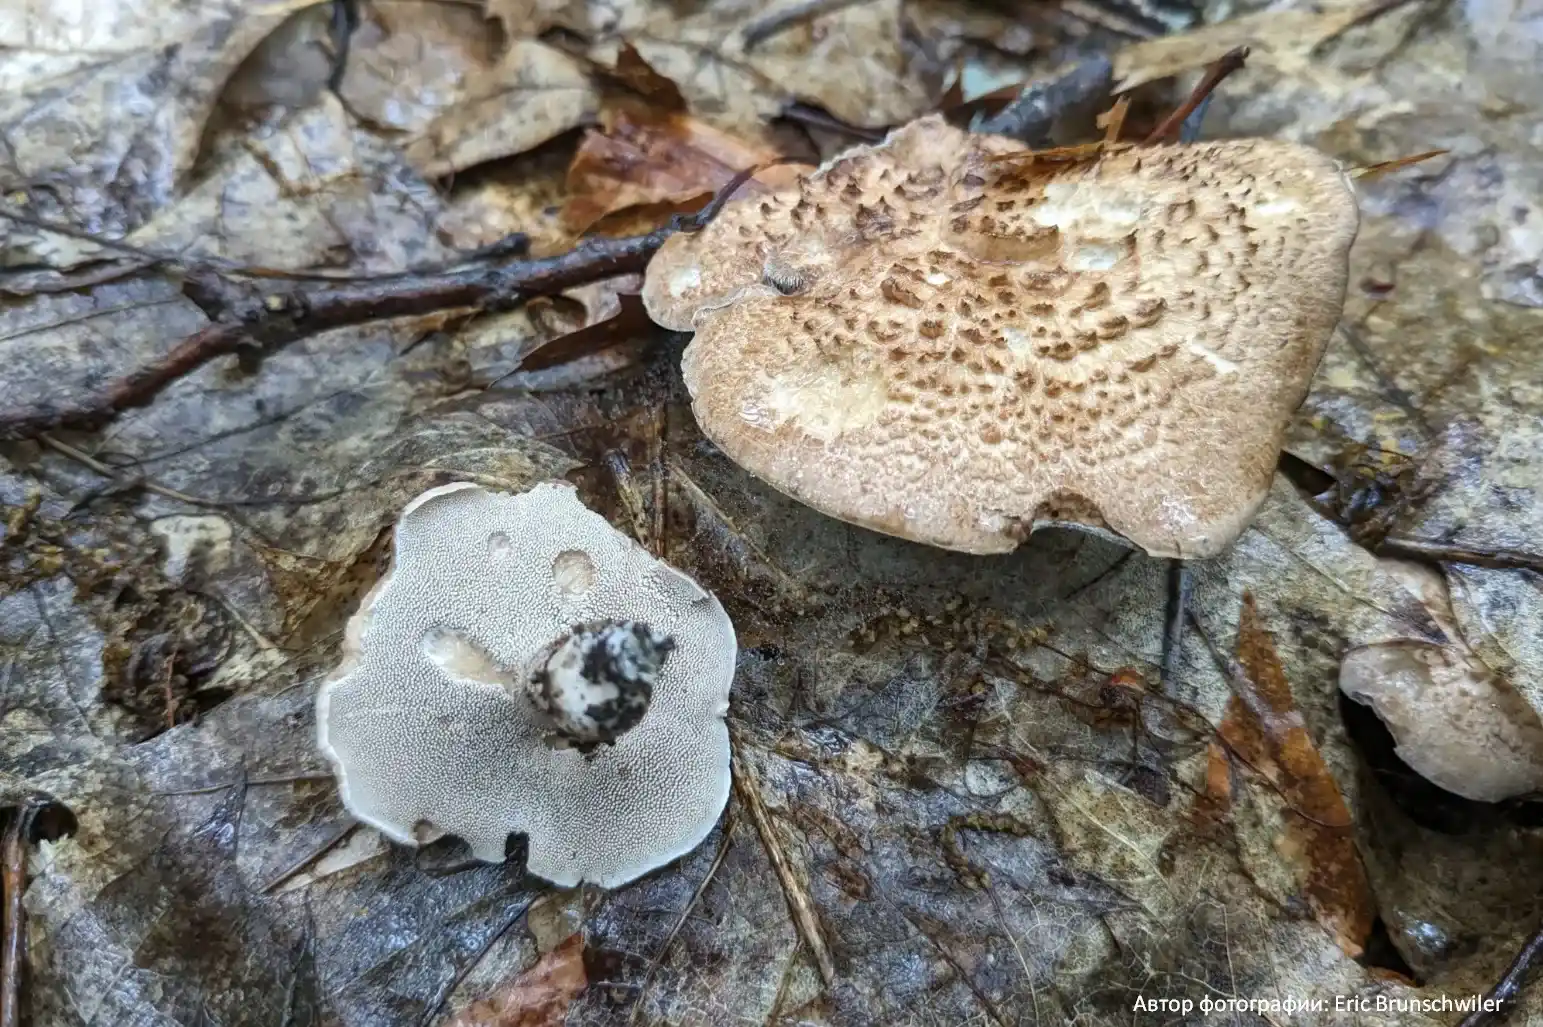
x=434 y=720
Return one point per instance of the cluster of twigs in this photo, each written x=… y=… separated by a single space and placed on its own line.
x=251 y=318
x=254 y=312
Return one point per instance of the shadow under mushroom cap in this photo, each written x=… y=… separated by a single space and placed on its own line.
x=954 y=349
x=427 y=723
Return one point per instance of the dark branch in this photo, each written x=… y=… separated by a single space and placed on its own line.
x=255 y=321
x=1442 y=552
x=1500 y=998
x=1030 y=117
x=1218 y=70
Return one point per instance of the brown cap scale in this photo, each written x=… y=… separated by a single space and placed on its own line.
x=954 y=349
x=527 y=669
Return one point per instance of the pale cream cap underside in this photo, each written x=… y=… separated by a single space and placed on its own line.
x=429 y=728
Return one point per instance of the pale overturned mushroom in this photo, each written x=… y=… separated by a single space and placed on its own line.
x=1455 y=722
x=934 y=344
x=525 y=668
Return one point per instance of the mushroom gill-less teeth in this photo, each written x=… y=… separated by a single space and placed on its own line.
x=524 y=668
x=934 y=342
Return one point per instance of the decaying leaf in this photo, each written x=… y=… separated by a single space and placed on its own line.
x=410 y=63
x=539 y=997
x=535 y=92
x=629 y=323
x=317 y=193
x=105 y=101
x=1285 y=37
x=664 y=163
x=1316 y=837
x=634 y=73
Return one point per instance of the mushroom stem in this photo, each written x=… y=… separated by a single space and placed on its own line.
x=595 y=682
x=1179 y=584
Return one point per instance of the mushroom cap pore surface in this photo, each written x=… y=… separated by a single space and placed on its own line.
x=936 y=344
x=427 y=722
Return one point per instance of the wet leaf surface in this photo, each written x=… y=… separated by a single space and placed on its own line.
x=962 y=793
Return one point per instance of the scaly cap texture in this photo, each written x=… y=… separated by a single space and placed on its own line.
x=955 y=349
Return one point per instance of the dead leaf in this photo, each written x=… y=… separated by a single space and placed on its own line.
x=106 y=102
x=535 y=92
x=289 y=68
x=585 y=17
x=1318 y=839
x=660 y=161
x=539 y=997
x=629 y=323
x=853 y=62
x=1283 y=36
x=320 y=192
x=636 y=74
x=410 y=63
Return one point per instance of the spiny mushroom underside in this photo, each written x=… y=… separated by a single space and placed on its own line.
x=429 y=723
x=952 y=348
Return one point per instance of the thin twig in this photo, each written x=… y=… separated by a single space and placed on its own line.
x=345 y=21
x=1509 y=988
x=513 y=245
x=1180 y=581
x=724 y=843
x=91 y=463
x=1382 y=167
x=1218 y=70
x=13 y=867
x=804 y=920
x=1444 y=552
x=256 y=323
x=327 y=845
x=764 y=28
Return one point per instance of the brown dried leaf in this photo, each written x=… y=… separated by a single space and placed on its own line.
x=630 y=321
x=638 y=75
x=535 y=92
x=1318 y=840
x=660 y=162
x=539 y=997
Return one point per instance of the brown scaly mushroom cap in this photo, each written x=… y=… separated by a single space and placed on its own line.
x=527 y=669
x=957 y=350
